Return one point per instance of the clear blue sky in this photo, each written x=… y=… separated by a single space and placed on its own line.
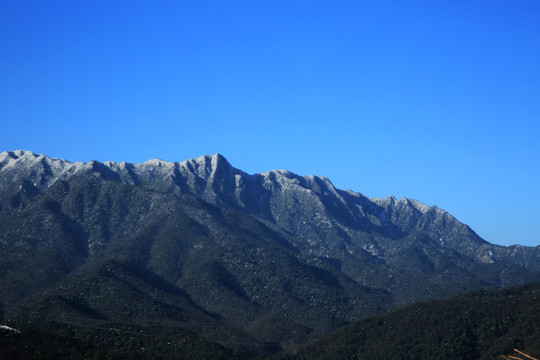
x=433 y=100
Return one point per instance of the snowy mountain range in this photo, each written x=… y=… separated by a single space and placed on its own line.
x=277 y=256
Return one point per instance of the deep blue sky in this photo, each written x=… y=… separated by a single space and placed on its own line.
x=433 y=100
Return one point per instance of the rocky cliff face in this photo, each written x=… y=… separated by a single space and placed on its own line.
x=205 y=242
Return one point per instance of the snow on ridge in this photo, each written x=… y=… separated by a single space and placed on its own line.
x=31 y=158
x=203 y=161
x=283 y=177
x=289 y=176
x=204 y=166
x=215 y=159
x=201 y=166
x=384 y=201
x=4 y=327
x=423 y=208
x=12 y=158
x=207 y=167
x=155 y=162
x=17 y=153
x=111 y=164
x=25 y=159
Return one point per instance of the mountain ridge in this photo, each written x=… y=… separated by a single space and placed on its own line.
x=215 y=180
x=204 y=166
x=179 y=176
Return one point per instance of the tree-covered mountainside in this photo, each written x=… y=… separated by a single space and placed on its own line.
x=134 y=255
x=106 y=340
x=478 y=325
x=257 y=263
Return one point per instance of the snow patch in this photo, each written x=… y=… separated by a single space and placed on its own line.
x=371 y=249
x=7 y=328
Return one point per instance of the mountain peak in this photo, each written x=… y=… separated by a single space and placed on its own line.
x=209 y=163
x=385 y=202
x=19 y=153
x=156 y=162
x=16 y=154
x=218 y=160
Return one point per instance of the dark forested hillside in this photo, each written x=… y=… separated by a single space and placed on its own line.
x=478 y=325
x=102 y=341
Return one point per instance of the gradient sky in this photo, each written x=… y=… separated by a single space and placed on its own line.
x=433 y=100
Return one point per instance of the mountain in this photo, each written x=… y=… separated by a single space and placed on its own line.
x=477 y=325
x=258 y=263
